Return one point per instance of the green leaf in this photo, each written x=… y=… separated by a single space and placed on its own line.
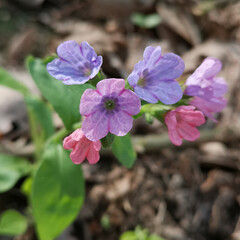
x=58 y=192
x=130 y=235
x=42 y=115
x=123 y=150
x=108 y=140
x=8 y=81
x=64 y=98
x=155 y=237
x=146 y=21
x=12 y=223
x=11 y=170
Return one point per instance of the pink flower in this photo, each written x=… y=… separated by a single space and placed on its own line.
x=182 y=123
x=109 y=108
x=82 y=147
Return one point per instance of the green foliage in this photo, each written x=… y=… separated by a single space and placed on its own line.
x=105 y=222
x=8 y=81
x=11 y=170
x=146 y=21
x=123 y=150
x=57 y=192
x=12 y=223
x=108 y=140
x=42 y=115
x=139 y=234
x=65 y=99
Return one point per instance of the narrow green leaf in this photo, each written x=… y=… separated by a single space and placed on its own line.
x=42 y=114
x=12 y=223
x=123 y=150
x=58 y=192
x=11 y=170
x=108 y=140
x=8 y=81
x=64 y=98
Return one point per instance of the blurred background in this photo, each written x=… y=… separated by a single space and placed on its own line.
x=190 y=192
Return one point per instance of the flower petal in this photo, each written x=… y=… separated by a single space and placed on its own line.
x=187 y=131
x=167 y=91
x=220 y=87
x=129 y=102
x=93 y=155
x=120 y=123
x=208 y=69
x=89 y=101
x=194 y=118
x=152 y=56
x=111 y=86
x=169 y=66
x=80 y=151
x=70 y=52
x=63 y=70
x=174 y=137
x=170 y=120
x=95 y=126
x=145 y=94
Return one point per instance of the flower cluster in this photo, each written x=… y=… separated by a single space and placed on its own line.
x=109 y=108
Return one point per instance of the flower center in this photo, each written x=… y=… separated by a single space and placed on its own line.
x=87 y=72
x=141 y=82
x=109 y=104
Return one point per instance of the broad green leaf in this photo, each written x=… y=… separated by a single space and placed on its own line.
x=57 y=192
x=108 y=140
x=42 y=115
x=123 y=150
x=11 y=170
x=8 y=81
x=155 y=237
x=130 y=235
x=12 y=223
x=64 y=98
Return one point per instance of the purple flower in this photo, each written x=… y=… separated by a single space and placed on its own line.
x=209 y=106
x=204 y=83
x=207 y=89
x=76 y=63
x=153 y=78
x=108 y=109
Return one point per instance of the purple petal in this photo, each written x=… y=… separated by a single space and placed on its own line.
x=110 y=86
x=152 y=56
x=167 y=91
x=96 y=67
x=209 y=68
x=220 y=87
x=133 y=79
x=62 y=70
x=129 y=102
x=95 y=126
x=145 y=94
x=169 y=66
x=89 y=101
x=120 y=123
x=70 y=52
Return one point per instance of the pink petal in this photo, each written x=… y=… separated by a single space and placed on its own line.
x=129 y=102
x=111 y=85
x=194 y=118
x=96 y=145
x=170 y=120
x=68 y=142
x=174 y=137
x=93 y=155
x=187 y=131
x=89 y=100
x=95 y=126
x=120 y=123
x=80 y=151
